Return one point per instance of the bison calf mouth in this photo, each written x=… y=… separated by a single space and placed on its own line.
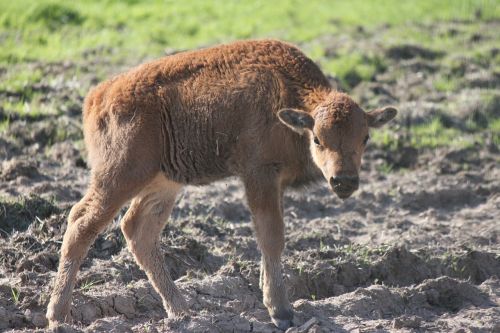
x=344 y=186
x=344 y=194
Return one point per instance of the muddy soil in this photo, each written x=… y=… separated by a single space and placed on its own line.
x=415 y=249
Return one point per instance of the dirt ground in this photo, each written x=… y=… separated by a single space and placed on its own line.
x=415 y=249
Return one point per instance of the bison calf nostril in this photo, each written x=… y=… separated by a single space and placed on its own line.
x=346 y=183
x=335 y=181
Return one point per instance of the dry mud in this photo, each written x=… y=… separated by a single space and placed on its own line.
x=415 y=249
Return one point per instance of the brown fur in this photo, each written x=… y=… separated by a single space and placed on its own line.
x=196 y=117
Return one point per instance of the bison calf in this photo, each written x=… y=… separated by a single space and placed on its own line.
x=260 y=110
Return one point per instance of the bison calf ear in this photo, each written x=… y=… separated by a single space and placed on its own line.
x=380 y=117
x=297 y=120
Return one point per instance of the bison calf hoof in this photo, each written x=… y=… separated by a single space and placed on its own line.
x=283 y=319
x=177 y=308
x=56 y=320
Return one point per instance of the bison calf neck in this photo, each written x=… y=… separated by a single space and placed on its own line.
x=260 y=110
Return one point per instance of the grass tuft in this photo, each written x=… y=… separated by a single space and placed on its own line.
x=16 y=294
x=54 y=15
x=18 y=215
x=60 y=31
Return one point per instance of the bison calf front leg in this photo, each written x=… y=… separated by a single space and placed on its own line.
x=264 y=199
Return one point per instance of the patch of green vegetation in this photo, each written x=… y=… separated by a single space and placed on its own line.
x=16 y=294
x=491 y=104
x=351 y=69
x=454 y=261
x=434 y=133
x=361 y=254
x=486 y=55
x=55 y=15
x=24 y=100
x=495 y=125
x=29 y=110
x=384 y=168
x=427 y=38
x=446 y=83
x=4 y=125
x=18 y=215
x=19 y=107
x=51 y=30
x=21 y=83
x=89 y=284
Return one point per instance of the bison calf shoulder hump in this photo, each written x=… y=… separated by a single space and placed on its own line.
x=260 y=110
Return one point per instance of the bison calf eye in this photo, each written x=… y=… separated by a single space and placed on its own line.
x=366 y=139
x=316 y=141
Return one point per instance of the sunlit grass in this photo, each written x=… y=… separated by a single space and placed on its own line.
x=495 y=131
x=4 y=125
x=446 y=83
x=432 y=134
x=20 y=82
x=51 y=30
x=31 y=110
x=354 y=68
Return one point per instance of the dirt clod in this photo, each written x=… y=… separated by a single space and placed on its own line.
x=15 y=168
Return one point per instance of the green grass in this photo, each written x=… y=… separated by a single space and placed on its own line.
x=361 y=254
x=89 y=284
x=4 y=125
x=28 y=109
x=19 y=214
x=446 y=83
x=20 y=82
x=433 y=134
x=16 y=294
x=351 y=69
x=494 y=127
x=51 y=30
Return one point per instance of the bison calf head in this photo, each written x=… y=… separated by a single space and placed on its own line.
x=338 y=133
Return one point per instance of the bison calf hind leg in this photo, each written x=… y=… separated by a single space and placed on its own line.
x=85 y=221
x=142 y=226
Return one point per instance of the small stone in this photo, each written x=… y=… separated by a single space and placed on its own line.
x=38 y=319
x=124 y=305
